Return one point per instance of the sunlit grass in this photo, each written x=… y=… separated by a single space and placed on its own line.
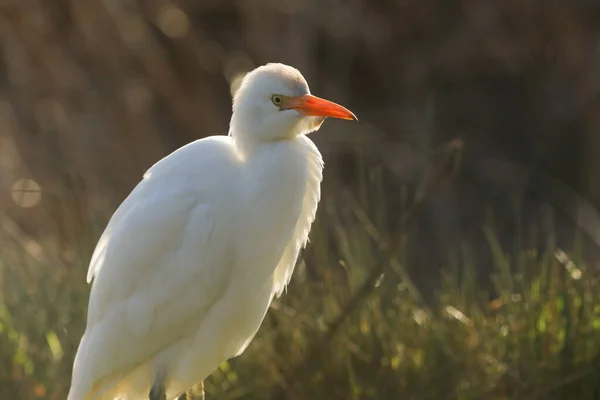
x=538 y=337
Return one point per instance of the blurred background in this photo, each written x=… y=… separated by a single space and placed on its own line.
x=455 y=252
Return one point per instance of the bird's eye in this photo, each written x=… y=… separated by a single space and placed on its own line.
x=277 y=100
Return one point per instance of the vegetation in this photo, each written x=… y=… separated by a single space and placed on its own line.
x=332 y=336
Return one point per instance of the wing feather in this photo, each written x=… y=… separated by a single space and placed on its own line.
x=150 y=270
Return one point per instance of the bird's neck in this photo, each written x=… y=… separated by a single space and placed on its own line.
x=247 y=146
x=248 y=136
x=244 y=146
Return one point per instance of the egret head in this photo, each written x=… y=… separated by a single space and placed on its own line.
x=273 y=102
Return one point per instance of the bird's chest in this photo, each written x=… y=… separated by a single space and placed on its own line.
x=280 y=203
x=275 y=188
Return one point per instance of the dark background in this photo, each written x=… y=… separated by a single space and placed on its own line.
x=94 y=92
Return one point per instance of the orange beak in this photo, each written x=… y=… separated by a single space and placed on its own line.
x=314 y=106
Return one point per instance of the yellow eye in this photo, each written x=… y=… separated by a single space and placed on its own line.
x=277 y=100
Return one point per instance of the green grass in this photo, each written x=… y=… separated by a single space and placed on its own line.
x=331 y=336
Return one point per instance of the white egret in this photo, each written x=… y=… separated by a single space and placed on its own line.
x=188 y=265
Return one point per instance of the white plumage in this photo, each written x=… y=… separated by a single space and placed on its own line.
x=189 y=263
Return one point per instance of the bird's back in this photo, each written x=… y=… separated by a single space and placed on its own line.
x=156 y=245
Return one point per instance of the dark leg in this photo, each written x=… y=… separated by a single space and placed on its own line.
x=158 y=391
